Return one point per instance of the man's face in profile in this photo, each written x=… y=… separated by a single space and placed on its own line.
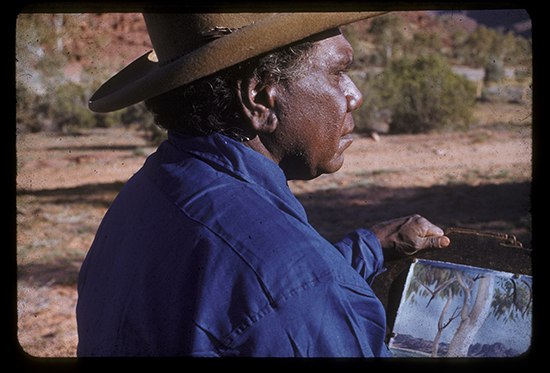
x=315 y=119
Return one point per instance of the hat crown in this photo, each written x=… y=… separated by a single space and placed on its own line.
x=175 y=34
x=185 y=50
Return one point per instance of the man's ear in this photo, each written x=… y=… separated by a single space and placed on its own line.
x=258 y=101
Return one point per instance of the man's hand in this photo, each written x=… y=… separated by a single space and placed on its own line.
x=406 y=236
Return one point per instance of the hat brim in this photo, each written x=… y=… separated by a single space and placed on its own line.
x=145 y=78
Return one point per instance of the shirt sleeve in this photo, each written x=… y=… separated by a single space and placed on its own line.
x=363 y=251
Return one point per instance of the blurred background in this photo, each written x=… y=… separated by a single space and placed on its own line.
x=461 y=56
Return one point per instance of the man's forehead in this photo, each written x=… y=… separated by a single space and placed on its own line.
x=336 y=49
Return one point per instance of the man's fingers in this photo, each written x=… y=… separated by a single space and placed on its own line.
x=434 y=230
x=428 y=229
x=444 y=241
x=436 y=242
x=410 y=234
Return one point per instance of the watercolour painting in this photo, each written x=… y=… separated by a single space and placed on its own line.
x=451 y=310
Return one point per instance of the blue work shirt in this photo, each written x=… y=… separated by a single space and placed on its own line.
x=206 y=252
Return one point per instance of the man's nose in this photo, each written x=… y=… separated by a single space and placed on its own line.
x=353 y=96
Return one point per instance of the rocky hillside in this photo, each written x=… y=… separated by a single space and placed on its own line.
x=516 y=20
x=105 y=40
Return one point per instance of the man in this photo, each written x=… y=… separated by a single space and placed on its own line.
x=206 y=252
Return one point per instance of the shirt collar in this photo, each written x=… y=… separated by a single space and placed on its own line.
x=237 y=159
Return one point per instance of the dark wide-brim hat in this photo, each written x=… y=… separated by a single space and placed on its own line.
x=188 y=47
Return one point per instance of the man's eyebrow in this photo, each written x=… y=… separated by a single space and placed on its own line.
x=347 y=61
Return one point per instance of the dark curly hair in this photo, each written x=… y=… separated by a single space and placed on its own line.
x=211 y=104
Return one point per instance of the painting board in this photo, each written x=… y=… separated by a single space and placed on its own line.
x=452 y=310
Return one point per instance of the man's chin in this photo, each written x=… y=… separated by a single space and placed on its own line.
x=331 y=166
x=335 y=165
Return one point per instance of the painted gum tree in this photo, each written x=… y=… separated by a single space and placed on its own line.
x=499 y=297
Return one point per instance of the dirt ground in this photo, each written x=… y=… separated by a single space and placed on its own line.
x=65 y=183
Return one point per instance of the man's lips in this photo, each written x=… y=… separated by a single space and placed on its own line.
x=349 y=125
x=346 y=139
x=345 y=142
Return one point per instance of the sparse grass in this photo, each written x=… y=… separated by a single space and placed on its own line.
x=370 y=178
x=502 y=116
x=474 y=176
x=481 y=138
x=48 y=231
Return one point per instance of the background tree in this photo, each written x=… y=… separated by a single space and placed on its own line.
x=476 y=49
x=425 y=94
x=414 y=96
x=424 y=43
x=47 y=99
x=388 y=36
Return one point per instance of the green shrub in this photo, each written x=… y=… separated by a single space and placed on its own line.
x=373 y=114
x=26 y=103
x=69 y=108
x=66 y=109
x=420 y=95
